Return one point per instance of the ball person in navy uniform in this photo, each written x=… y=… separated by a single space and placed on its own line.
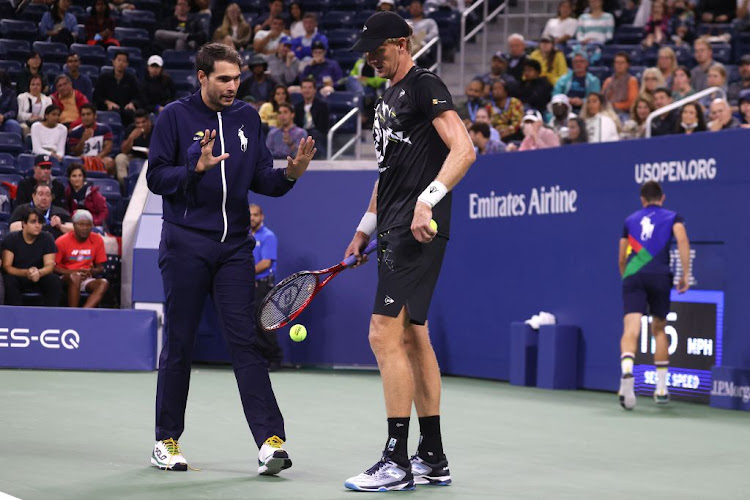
x=207 y=151
x=423 y=151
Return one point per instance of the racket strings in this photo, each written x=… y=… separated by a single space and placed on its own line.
x=287 y=299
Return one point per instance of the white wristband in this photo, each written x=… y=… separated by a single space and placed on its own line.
x=368 y=224
x=433 y=194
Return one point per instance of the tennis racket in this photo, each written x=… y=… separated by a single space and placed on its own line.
x=292 y=295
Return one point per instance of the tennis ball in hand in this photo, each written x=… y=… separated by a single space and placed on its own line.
x=298 y=333
x=433 y=225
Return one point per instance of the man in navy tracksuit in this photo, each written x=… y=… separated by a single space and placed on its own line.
x=206 y=152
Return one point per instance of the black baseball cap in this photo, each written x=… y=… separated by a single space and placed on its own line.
x=43 y=161
x=380 y=27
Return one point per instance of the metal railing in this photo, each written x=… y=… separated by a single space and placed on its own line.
x=526 y=15
x=486 y=17
x=435 y=68
x=678 y=104
x=354 y=112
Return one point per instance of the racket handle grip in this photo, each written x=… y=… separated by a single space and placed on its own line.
x=351 y=260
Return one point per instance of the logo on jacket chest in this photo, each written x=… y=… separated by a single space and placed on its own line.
x=243 y=139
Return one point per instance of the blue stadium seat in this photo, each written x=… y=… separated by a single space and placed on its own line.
x=89 y=70
x=609 y=51
x=315 y=5
x=19 y=30
x=154 y=6
x=178 y=59
x=722 y=52
x=335 y=19
x=14 y=50
x=133 y=37
x=51 y=70
x=52 y=51
x=135 y=166
x=133 y=52
x=714 y=29
x=79 y=11
x=34 y=12
x=339 y=104
x=733 y=73
x=359 y=19
x=13 y=68
x=90 y=54
x=350 y=5
x=25 y=164
x=144 y=19
x=601 y=72
x=342 y=38
x=296 y=98
x=256 y=6
x=10 y=143
x=345 y=58
x=109 y=188
x=449 y=26
x=637 y=71
x=4 y=230
x=7 y=163
x=11 y=178
x=628 y=34
x=184 y=79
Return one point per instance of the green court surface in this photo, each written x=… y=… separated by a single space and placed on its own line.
x=79 y=435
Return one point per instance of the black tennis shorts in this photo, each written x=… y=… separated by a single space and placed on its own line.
x=647 y=294
x=407 y=273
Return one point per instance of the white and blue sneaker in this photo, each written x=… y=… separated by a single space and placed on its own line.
x=386 y=475
x=437 y=474
x=167 y=456
x=272 y=458
x=661 y=397
x=627 y=392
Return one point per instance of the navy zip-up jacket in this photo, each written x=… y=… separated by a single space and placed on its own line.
x=215 y=201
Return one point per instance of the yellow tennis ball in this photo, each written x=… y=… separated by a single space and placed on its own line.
x=433 y=225
x=298 y=333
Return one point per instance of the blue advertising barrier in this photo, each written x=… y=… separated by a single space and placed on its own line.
x=77 y=339
x=730 y=388
x=530 y=231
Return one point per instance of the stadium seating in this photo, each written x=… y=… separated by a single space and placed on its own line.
x=14 y=50
x=90 y=54
x=10 y=143
x=628 y=34
x=345 y=58
x=178 y=59
x=342 y=38
x=52 y=51
x=34 y=12
x=335 y=19
x=7 y=163
x=25 y=164
x=449 y=27
x=133 y=37
x=184 y=79
x=359 y=18
x=722 y=52
x=154 y=6
x=19 y=30
x=637 y=71
x=144 y=19
x=609 y=52
x=255 y=6
x=109 y=188
x=80 y=13
x=315 y=5
x=4 y=230
x=339 y=104
x=13 y=68
x=601 y=72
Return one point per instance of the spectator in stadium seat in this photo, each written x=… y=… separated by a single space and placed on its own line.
x=681 y=83
x=135 y=144
x=717 y=77
x=266 y=41
x=651 y=80
x=552 y=61
x=82 y=195
x=483 y=116
x=8 y=106
x=703 y=55
x=312 y=114
x=157 y=88
x=92 y=141
x=595 y=26
x=744 y=105
x=296 y=15
x=721 y=116
x=80 y=81
x=69 y=100
x=498 y=70
x=55 y=220
x=269 y=111
x=42 y=175
x=327 y=72
x=263 y=22
x=49 y=136
x=32 y=67
x=507 y=113
x=536 y=91
x=563 y=27
x=283 y=64
x=118 y=91
x=424 y=29
x=560 y=114
x=283 y=141
x=635 y=126
x=601 y=121
x=681 y=23
x=536 y=135
x=577 y=83
x=657 y=26
x=737 y=88
x=480 y=137
x=516 y=55
x=181 y=30
x=29 y=261
x=691 y=119
x=717 y=11
x=467 y=107
x=664 y=124
x=100 y=26
x=303 y=46
x=385 y=5
x=235 y=26
x=80 y=261
x=31 y=105
x=258 y=87
x=576 y=132
x=742 y=21
x=621 y=89
x=57 y=24
x=666 y=61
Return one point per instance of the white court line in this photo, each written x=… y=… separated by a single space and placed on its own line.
x=5 y=496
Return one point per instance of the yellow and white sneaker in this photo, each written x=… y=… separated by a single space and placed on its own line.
x=167 y=456
x=272 y=458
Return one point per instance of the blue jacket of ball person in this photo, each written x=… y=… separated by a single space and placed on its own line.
x=213 y=202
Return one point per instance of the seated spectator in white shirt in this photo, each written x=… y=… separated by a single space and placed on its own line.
x=31 y=105
x=563 y=27
x=49 y=136
x=601 y=120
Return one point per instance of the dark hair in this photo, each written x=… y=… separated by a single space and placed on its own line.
x=288 y=106
x=309 y=79
x=664 y=90
x=55 y=11
x=32 y=211
x=583 y=135
x=684 y=69
x=72 y=54
x=622 y=54
x=39 y=185
x=141 y=113
x=569 y=2
x=212 y=52
x=273 y=100
x=534 y=64
x=481 y=128
x=310 y=15
x=4 y=78
x=73 y=167
x=699 y=113
x=106 y=12
x=301 y=10
x=279 y=18
x=49 y=109
x=90 y=106
x=121 y=53
x=34 y=53
x=651 y=191
x=38 y=76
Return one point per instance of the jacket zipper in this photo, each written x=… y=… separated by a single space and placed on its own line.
x=223 y=181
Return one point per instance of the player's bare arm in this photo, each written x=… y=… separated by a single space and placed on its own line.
x=683 y=247
x=622 y=259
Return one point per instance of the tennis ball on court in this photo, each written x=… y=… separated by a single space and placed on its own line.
x=433 y=225
x=298 y=333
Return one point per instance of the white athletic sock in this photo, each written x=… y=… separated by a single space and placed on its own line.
x=626 y=363
x=662 y=368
